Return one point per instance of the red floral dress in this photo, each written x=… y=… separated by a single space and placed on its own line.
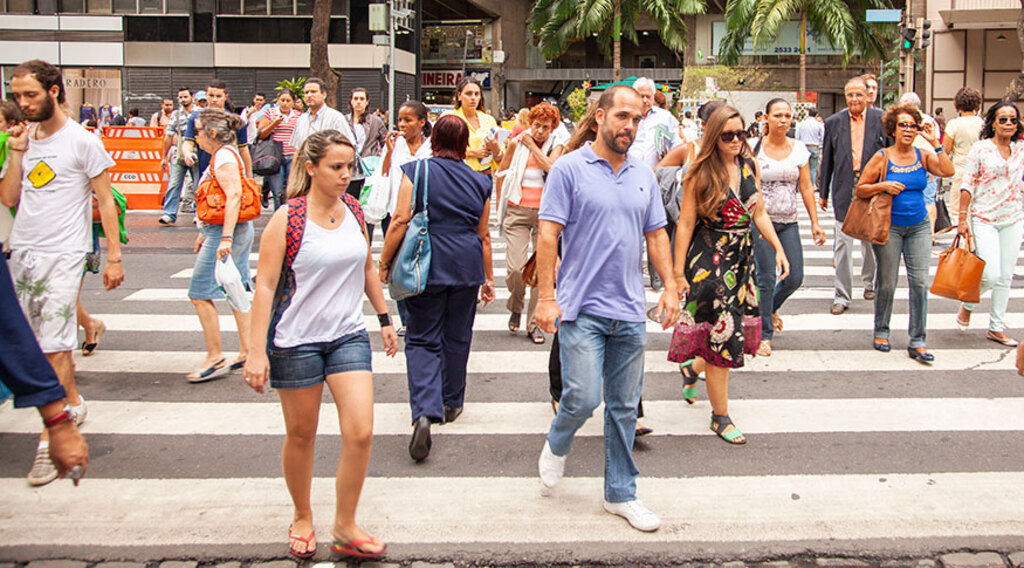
x=720 y=318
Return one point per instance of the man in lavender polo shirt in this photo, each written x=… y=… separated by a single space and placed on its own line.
x=603 y=203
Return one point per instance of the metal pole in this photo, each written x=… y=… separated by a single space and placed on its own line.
x=391 y=64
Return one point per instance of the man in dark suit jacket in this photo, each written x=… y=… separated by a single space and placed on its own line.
x=852 y=136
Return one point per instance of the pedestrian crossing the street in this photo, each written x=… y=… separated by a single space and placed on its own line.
x=848 y=448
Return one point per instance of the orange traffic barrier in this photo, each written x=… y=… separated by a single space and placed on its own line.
x=137 y=174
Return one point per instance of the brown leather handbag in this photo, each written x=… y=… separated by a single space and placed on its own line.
x=958 y=276
x=868 y=219
x=530 y=270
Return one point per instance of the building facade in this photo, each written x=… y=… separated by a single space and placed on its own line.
x=133 y=53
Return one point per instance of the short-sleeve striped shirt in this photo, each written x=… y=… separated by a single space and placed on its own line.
x=283 y=131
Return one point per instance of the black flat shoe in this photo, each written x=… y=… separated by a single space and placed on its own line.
x=883 y=347
x=451 y=413
x=419 y=446
x=922 y=356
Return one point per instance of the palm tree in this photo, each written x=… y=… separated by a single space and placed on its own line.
x=558 y=23
x=843 y=22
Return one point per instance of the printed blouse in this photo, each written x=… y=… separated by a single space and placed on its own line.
x=995 y=183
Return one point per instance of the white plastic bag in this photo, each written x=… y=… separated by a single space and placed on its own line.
x=376 y=207
x=230 y=283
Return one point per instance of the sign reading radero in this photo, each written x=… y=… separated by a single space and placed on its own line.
x=92 y=83
x=448 y=79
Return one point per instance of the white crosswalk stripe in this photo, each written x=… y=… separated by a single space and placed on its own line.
x=824 y=396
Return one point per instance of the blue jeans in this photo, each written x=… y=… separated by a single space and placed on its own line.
x=176 y=179
x=913 y=243
x=813 y=162
x=598 y=352
x=278 y=183
x=773 y=294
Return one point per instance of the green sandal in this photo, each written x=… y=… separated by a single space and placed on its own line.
x=720 y=422
x=689 y=382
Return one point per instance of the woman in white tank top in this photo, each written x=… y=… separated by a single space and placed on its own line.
x=315 y=254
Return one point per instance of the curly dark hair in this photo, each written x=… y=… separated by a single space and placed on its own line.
x=989 y=130
x=967 y=99
x=892 y=117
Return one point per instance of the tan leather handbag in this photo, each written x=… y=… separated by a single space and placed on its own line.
x=868 y=219
x=958 y=276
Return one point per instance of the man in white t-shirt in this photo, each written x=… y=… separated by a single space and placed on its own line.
x=55 y=168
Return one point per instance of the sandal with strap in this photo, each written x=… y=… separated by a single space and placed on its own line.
x=309 y=552
x=689 y=382
x=355 y=548
x=537 y=336
x=514 y=321
x=764 y=349
x=720 y=422
x=777 y=322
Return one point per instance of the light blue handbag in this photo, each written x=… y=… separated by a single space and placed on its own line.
x=411 y=265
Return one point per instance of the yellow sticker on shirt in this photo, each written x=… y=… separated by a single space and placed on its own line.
x=41 y=175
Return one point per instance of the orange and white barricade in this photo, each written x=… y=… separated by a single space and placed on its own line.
x=136 y=151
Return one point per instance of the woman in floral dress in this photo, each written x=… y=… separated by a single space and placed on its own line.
x=714 y=260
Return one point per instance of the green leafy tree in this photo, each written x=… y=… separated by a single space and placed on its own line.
x=558 y=23
x=842 y=21
x=293 y=85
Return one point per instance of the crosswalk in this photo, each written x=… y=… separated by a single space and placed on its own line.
x=846 y=445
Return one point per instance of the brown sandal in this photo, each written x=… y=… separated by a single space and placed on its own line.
x=537 y=336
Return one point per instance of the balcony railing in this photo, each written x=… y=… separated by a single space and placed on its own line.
x=984 y=4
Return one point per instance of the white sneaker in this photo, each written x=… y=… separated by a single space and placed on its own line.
x=551 y=467
x=634 y=511
x=166 y=220
x=79 y=412
x=43 y=471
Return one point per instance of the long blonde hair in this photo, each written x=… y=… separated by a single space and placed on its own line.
x=586 y=130
x=709 y=172
x=312 y=150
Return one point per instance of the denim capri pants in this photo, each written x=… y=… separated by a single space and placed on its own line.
x=203 y=285
x=308 y=365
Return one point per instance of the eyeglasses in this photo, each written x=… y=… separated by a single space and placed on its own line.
x=729 y=135
x=908 y=126
x=1007 y=120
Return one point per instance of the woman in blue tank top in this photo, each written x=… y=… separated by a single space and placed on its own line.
x=905 y=170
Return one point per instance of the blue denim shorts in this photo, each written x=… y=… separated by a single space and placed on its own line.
x=930 y=190
x=203 y=285
x=308 y=365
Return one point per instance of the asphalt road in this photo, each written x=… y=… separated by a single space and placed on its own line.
x=850 y=451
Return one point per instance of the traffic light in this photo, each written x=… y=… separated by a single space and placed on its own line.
x=926 y=34
x=908 y=38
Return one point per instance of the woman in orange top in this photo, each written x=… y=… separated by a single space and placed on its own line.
x=527 y=160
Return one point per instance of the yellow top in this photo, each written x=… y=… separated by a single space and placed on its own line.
x=476 y=137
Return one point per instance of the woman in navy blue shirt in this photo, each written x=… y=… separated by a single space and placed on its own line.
x=439 y=329
x=906 y=170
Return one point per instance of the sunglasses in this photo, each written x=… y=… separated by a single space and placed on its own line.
x=908 y=126
x=1007 y=120
x=729 y=135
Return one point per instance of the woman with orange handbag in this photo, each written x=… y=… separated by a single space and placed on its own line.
x=215 y=134
x=902 y=171
x=991 y=194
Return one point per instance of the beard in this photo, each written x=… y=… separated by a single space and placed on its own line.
x=44 y=113
x=616 y=143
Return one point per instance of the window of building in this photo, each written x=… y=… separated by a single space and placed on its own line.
x=202 y=27
x=141 y=28
x=125 y=7
x=72 y=6
x=263 y=30
x=337 y=33
x=282 y=7
x=178 y=6
x=304 y=7
x=98 y=6
x=151 y=6
x=20 y=6
x=229 y=6
x=255 y=7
